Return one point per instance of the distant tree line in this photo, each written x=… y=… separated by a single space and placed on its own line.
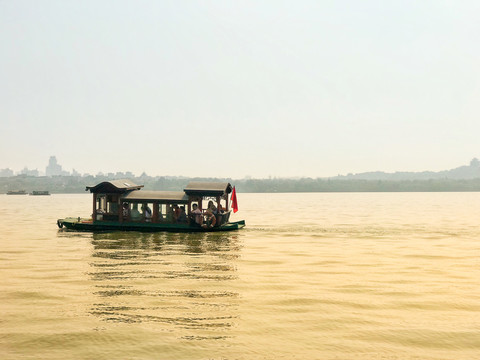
x=77 y=184
x=331 y=185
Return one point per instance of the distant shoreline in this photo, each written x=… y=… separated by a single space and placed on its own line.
x=77 y=184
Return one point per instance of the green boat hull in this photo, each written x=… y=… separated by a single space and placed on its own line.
x=80 y=224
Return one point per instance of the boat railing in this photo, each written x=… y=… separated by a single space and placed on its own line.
x=221 y=218
x=110 y=217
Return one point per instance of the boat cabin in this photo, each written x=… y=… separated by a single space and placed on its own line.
x=123 y=201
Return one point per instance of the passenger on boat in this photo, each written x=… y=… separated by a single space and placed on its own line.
x=176 y=212
x=182 y=216
x=198 y=214
x=169 y=215
x=210 y=219
x=135 y=214
x=100 y=213
x=212 y=207
x=125 y=210
x=147 y=212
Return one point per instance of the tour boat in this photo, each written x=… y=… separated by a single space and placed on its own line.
x=116 y=207
x=17 y=192
x=40 y=192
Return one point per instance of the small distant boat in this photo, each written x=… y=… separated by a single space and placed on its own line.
x=16 y=192
x=39 y=192
x=116 y=207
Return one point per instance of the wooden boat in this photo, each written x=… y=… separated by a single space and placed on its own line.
x=39 y=192
x=16 y=192
x=116 y=203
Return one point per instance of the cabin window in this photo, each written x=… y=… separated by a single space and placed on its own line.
x=140 y=212
x=166 y=213
x=112 y=204
x=101 y=204
x=161 y=212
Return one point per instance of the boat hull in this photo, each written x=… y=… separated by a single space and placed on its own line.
x=80 y=224
x=40 y=193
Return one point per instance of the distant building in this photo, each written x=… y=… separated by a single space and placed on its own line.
x=29 y=172
x=53 y=168
x=6 y=172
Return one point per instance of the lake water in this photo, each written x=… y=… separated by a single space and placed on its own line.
x=312 y=276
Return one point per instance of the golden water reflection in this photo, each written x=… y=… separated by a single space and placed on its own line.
x=173 y=282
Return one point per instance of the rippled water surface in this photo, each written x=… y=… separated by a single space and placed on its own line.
x=312 y=276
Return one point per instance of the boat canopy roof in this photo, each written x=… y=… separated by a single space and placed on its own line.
x=130 y=191
x=114 y=186
x=160 y=196
x=208 y=188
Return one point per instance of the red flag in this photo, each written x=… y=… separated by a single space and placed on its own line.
x=234 y=200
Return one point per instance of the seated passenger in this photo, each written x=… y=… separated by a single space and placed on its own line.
x=147 y=213
x=210 y=218
x=176 y=212
x=212 y=207
x=198 y=215
x=169 y=215
x=135 y=214
x=182 y=216
x=125 y=210
x=100 y=213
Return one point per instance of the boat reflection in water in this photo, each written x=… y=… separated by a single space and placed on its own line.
x=178 y=283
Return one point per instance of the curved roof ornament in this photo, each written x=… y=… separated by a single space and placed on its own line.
x=114 y=186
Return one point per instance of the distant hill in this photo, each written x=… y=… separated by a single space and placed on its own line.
x=465 y=172
x=463 y=178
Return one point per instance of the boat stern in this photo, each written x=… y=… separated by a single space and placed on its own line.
x=73 y=222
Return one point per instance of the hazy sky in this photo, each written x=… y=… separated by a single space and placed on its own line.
x=235 y=88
